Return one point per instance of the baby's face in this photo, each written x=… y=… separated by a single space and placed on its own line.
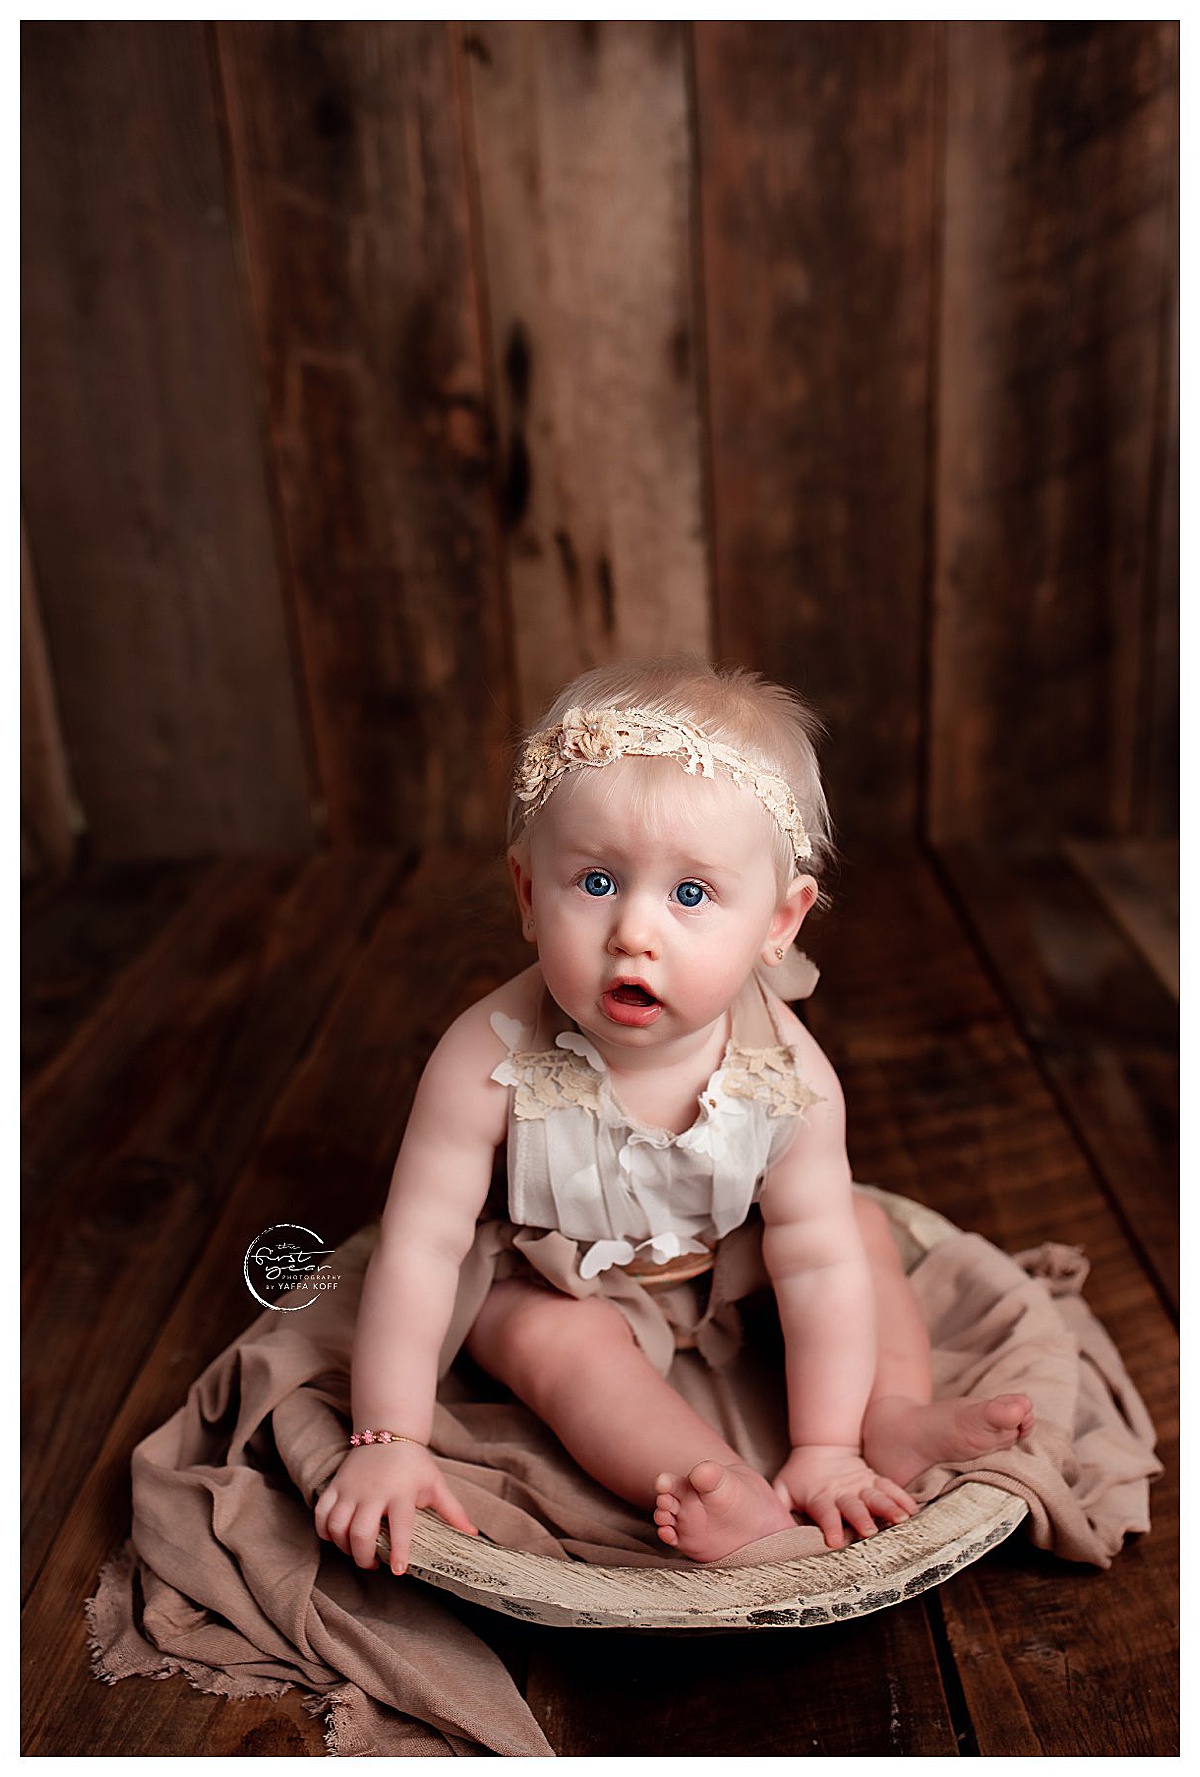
x=653 y=895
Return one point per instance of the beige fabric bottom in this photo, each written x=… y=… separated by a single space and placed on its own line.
x=224 y=1578
x=699 y=1315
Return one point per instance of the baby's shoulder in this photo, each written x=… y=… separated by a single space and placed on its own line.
x=458 y=1077
x=519 y=999
x=812 y=1064
x=473 y=1037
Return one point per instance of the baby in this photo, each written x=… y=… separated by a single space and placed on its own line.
x=667 y=825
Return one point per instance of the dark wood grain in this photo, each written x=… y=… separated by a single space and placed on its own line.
x=582 y=149
x=1021 y=1655
x=111 y=1241
x=1157 y=790
x=340 y=1118
x=865 y=1688
x=323 y=1159
x=346 y=155
x=131 y=1050
x=141 y=471
x=817 y=151
x=845 y=350
x=1059 y=1665
x=75 y=943
x=947 y=1104
x=47 y=834
x=179 y=1722
x=1057 y=256
x=1102 y=1024
x=1138 y=882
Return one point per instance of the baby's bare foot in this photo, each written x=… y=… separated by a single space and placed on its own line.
x=902 y=1438
x=717 y=1508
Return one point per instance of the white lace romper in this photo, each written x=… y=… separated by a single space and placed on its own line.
x=599 y=1203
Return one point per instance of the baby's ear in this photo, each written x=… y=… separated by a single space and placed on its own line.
x=522 y=880
x=789 y=917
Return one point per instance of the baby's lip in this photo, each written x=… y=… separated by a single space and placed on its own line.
x=632 y=990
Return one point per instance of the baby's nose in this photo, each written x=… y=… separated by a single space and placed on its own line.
x=633 y=931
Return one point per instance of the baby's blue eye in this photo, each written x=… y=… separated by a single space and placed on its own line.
x=598 y=882
x=689 y=894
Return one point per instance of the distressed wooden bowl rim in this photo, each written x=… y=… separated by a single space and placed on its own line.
x=944 y=1536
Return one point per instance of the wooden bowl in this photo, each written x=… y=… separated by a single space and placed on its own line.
x=897 y=1563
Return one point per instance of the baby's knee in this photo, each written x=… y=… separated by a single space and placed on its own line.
x=543 y=1335
x=875 y=1229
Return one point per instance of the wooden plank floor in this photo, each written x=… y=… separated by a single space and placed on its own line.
x=209 y=1049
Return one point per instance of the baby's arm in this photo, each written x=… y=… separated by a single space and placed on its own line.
x=438 y=1189
x=819 y=1270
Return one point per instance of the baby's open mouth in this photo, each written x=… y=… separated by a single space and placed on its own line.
x=631 y=1004
x=629 y=993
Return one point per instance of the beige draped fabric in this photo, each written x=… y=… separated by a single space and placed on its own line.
x=224 y=1579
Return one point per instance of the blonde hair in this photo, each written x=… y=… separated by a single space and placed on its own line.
x=770 y=725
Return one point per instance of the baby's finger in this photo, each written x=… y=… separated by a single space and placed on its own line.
x=337 y=1524
x=362 y=1537
x=448 y=1507
x=857 y=1513
x=828 y=1520
x=890 y=1505
x=884 y=1510
x=400 y=1523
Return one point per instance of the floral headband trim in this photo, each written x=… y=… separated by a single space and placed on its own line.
x=602 y=736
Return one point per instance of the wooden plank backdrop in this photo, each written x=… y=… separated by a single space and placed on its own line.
x=1059 y=170
x=47 y=838
x=581 y=147
x=379 y=376
x=345 y=144
x=142 y=471
x=817 y=155
x=1157 y=790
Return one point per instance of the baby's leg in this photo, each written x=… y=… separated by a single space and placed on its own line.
x=578 y=1366
x=906 y=1431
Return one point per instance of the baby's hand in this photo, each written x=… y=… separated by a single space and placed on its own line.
x=834 y=1486
x=384 y=1481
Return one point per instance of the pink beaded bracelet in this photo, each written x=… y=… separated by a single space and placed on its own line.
x=384 y=1437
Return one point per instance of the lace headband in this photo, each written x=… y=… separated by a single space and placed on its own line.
x=602 y=736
